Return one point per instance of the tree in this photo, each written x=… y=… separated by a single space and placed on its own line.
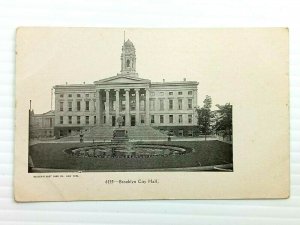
x=204 y=116
x=224 y=119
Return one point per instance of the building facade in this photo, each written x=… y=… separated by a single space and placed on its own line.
x=41 y=125
x=128 y=99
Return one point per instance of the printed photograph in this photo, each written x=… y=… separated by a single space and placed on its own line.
x=128 y=100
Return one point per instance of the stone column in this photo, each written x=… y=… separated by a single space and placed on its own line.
x=147 y=117
x=137 y=107
x=101 y=107
x=117 y=104
x=107 y=107
x=98 y=106
x=127 y=116
x=195 y=105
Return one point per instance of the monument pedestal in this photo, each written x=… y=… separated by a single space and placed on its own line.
x=120 y=135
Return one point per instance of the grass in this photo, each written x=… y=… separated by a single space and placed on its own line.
x=206 y=153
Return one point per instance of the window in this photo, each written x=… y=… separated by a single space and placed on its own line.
x=161 y=118
x=190 y=92
x=128 y=63
x=61 y=106
x=152 y=93
x=190 y=118
x=142 y=105
x=170 y=93
x=87 y=105
x=70 y=106
x=180 y=119
x=152 y=119
x=170 y=104
x=61 y=119
x=78 y=95
x=114 y=103
x=190 y=133
x=123 y=105
x=78 y=106
x=70 y=95
x=104 y=119
x=170 y=118
x=161 y=93
x=132 y=105
x=87 y=95
x=179 y=92
x=87 y=120
x=70 y=119
x=69 y=132
x=95 y=120
x=152 y=104
x=50 y=122
x=161 y=104
x=190 y=103
x=78 y=119
x=142 y=119
x=61 y=95
x=180 y=104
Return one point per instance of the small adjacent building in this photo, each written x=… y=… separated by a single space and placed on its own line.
x=41 y=125
x=167 y=106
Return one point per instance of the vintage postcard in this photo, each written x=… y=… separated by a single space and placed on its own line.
x=124 y=114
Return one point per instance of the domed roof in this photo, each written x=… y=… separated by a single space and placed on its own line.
x=128 y=43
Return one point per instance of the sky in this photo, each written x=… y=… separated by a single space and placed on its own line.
x=213 y=57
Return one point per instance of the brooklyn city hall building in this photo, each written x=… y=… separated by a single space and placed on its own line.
x=127 y=100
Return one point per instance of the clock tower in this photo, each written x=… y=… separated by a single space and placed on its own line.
x=128 y=59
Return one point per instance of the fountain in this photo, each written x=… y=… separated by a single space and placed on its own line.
x=128 y=150
x=120 y=147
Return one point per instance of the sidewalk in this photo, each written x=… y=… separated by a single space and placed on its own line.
x=173 y=139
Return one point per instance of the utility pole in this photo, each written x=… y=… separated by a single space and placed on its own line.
x=51 y=98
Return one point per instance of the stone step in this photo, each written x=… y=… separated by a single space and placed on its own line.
x=105 y=133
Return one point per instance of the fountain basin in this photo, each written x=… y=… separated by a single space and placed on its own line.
x=127 y=150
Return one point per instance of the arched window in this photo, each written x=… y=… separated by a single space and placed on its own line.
x=128 y=63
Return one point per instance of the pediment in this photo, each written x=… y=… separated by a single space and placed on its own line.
x=49 y=113
x=122 y=80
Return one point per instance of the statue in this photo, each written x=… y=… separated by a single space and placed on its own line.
x=120 y=121
x=119 y=134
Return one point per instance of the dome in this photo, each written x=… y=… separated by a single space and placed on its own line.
x=128 y=43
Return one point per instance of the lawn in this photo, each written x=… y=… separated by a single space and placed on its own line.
x=206 y=153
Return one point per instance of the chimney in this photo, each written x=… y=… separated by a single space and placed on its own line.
x=66 y=83
x=83 y=82
x=184 y=79
x=163 y=80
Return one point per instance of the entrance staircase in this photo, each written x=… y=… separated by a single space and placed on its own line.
x=103 y=133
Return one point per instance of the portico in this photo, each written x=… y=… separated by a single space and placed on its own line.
x=130 y=101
